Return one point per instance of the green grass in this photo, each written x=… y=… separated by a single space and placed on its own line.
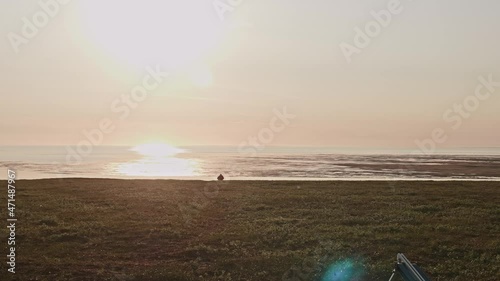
x=88 y=229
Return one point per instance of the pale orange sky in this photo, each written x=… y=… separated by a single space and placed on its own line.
x=227 y=77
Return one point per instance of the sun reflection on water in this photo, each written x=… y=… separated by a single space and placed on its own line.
x=158 y=160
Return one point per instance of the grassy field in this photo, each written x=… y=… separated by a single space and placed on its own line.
x=89 y=229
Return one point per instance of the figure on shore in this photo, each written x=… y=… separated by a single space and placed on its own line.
x=220 y=177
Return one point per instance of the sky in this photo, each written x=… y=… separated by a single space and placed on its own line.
x=229 y=71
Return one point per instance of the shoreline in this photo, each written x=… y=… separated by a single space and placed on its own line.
x=277 y=179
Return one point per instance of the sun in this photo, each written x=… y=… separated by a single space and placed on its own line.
x=156 y=150
x=173 y=34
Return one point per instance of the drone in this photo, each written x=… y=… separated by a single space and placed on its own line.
x=408 y=270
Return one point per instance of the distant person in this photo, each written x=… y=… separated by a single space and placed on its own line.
x=220 y=177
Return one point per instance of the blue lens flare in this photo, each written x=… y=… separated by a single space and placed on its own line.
x=344 y=270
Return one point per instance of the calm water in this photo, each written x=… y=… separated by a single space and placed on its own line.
x=271 y=163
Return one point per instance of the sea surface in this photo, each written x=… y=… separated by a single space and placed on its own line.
x=272 y=163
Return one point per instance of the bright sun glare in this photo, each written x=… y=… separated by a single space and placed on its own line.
x=173 y=34
x=158 y=160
